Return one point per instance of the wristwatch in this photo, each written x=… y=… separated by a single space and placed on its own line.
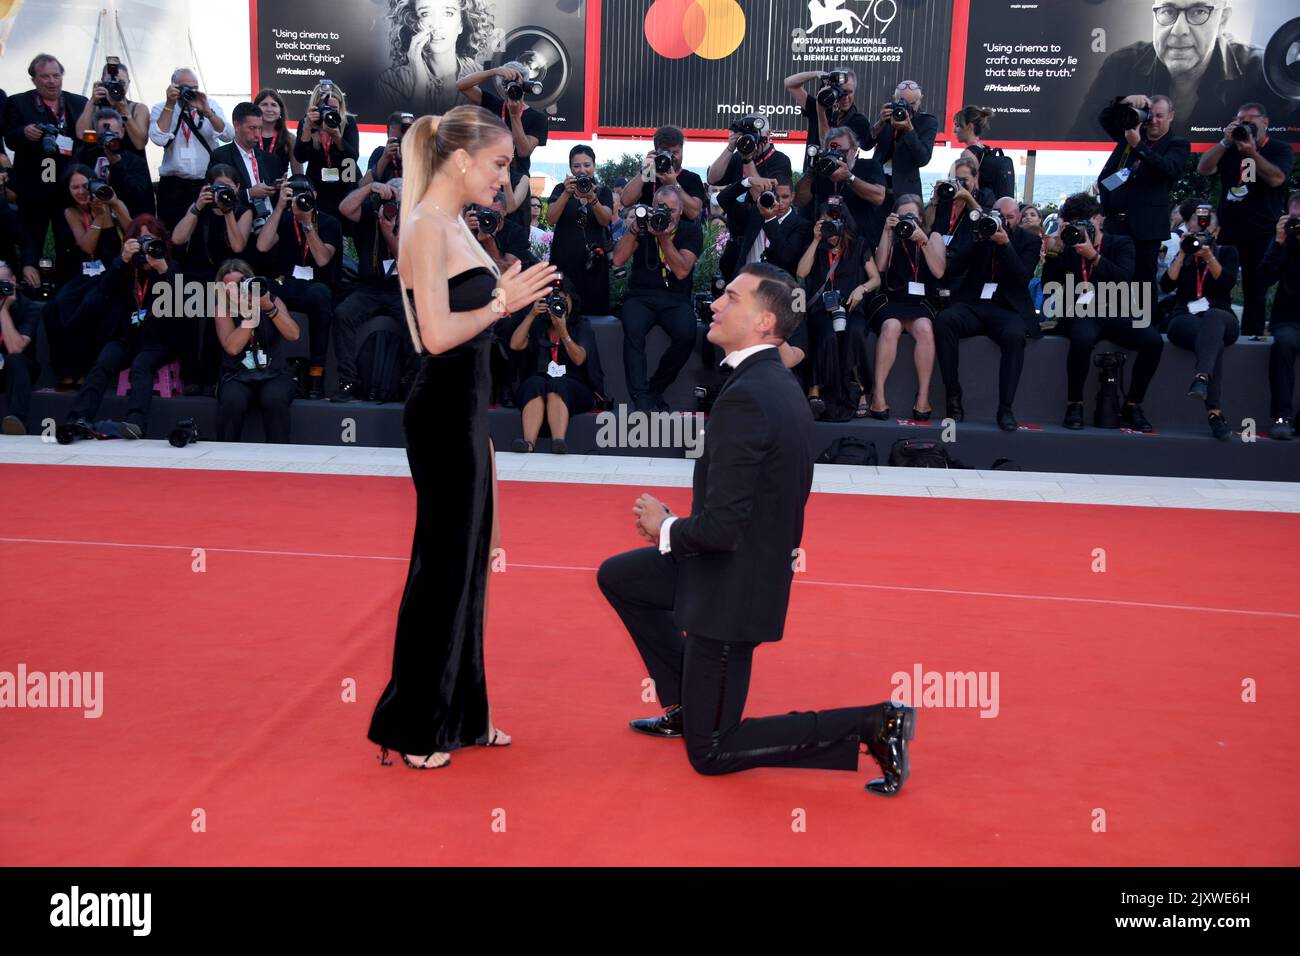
x=852 y=179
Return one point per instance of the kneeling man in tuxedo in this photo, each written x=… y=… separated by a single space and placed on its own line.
x=716 y=583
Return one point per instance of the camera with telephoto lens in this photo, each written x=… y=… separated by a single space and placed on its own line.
x=824 y=161
x=1131 y=117
x=304 y=194
x=150 y=248
x=831 y=229
x=405 y=122
x=49 y=137
x=515 y=89
x=832 y=89
x=1194 y=242
x=661 y=218
x=224 y=197
x=640 y=214
x=185 y=433
x=835 y=309
x=1245 y=131
x=556 y=302
x=100 y=190
x=583 y=184
x=767 y=199
x=1077 y=232
x=7 y=288
x=946 y=188
x=188 y=93
x=1292 y=228
x=331 y=117
x=110 y=141
x=252 y=288
x=899 y=110
x=987 y=223
x=751 y=130
x=488 y=219
x=663 y=162
x=907 y=226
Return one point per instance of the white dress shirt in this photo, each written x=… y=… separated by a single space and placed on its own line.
x=733 y=360
x=761 y=242
x=182 y=156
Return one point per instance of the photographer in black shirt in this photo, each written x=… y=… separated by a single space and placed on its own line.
x=1098 y=256
x=1282 y=265
x=1251 y=202
x=104 y=151
x=832 y=104
x=580 y=210
x=503 y=239
x=111 y=93
x=992 y=299
x=767 y=229
x=386 y=161
x=666 y=170
x=843 y=170
x=528 y=127
x=1201 y=276
x=20 y=317
x=374 y=208
x=1135 y=182
x=904 y=139
x=749 y=152
x=329 y=146
x=662 y=247
x=307 y=242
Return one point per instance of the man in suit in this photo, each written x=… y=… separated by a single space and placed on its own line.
x=993 y=300
x=722 y=574
x=258 y=170
x=41 y=192
x=764 y=233
x=904 y=145
x=1135 y=183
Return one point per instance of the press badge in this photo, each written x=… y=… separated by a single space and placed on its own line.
x=555 y=371
x=64 y=143
x=1086 y=294
x=889 y=167
x=988 y=290
x=947 y=240
x=1198 y=305
x=916 y=288
x=329 y=175
x=304 y=272
x=139 y=316
x=1117 y=179
x=93 y=268
x=1238 y=193
x=388 y=267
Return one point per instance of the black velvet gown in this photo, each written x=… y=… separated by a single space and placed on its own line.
x=437 y=697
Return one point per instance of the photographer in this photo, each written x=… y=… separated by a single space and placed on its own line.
x=831 y=106
x=662 y=247
x=276 y=138
x=17 y=247
x=1097 y=256
x=844 y=171
x=839 y=275
x=952 y=200
x=749 y=153
x=329 y=146
x=260 y=174
x=1201 y=276
x=252 y=323
x=1144 y=166
x=188 y=128
x=1282 y=265
x=110 y=93
x=143 y=335
x=386 y=161
x=528 y=127
x=19 y=320
x=504 y=240
x=306 y=242
x=663 y=167
x=910 y=263
x=904 y=139
x=104 y=151
x=374 y=208
x=992 y=299
x=561 y=371
x=39 y=124
x=581 y=246
x=768 y=229
x=1249 y=205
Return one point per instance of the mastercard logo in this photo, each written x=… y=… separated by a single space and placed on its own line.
x=711 y=29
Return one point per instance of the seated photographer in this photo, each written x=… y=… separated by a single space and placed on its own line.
x=766 y=228
x=910 y=263
x=749 y=153
x=306 y=243
x=188 y=128
x=1201 y=276
x=501 y=238
x=831 y=106
x=904 y=139
x=145 y=335
x=1282 y=265
x=374 y=208
x=111 y=93
x=560 y=369
x=528 y=127
x=386 y=161
x=19 y=319
x=276 y=136
x=1135 y=182
x=580 y=211
x=838 y=272
x=996 y=263
x=843 y=170
x=104 y=151
x=662 y=247
x=75 y=319
x=663 y=167
x=252 y=323
x=1084 y=250
x=948 y=212
x=329 y=146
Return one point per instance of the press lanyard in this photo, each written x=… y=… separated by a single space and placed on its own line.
x=555 y=349
x=140 y=288
x=302 y=242
x=834 y=256
x=1084 y=266
x=914 y=266
x=252 y=158
x=663 y=269
x=1200 y=279
x=60 y=116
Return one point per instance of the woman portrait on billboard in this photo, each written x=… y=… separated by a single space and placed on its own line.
x=434 y=43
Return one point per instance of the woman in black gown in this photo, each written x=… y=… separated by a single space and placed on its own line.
x=436 y=701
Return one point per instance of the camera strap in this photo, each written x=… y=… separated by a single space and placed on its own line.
x=1084 y=267
x=188 y=121
x=1202 y=268
x=663 y=265
x=302 y=241
x=60 y=117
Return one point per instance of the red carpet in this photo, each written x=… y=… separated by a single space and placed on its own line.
x=222 y=689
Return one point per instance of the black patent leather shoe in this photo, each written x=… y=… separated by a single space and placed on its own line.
x=890 y=750
x=1006 y=419
x=668 y=724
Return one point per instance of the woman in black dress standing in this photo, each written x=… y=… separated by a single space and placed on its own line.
x=436 y=701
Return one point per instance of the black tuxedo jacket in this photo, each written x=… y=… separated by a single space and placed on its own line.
x=1115 y=262
x=1010 y=266
x=270 y=167
x=1157 y=167
x=786 y=240
x=735 y=553
x=23 y=109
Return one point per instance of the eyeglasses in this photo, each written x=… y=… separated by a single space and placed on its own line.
x=913 y=85
x=1167 y=14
